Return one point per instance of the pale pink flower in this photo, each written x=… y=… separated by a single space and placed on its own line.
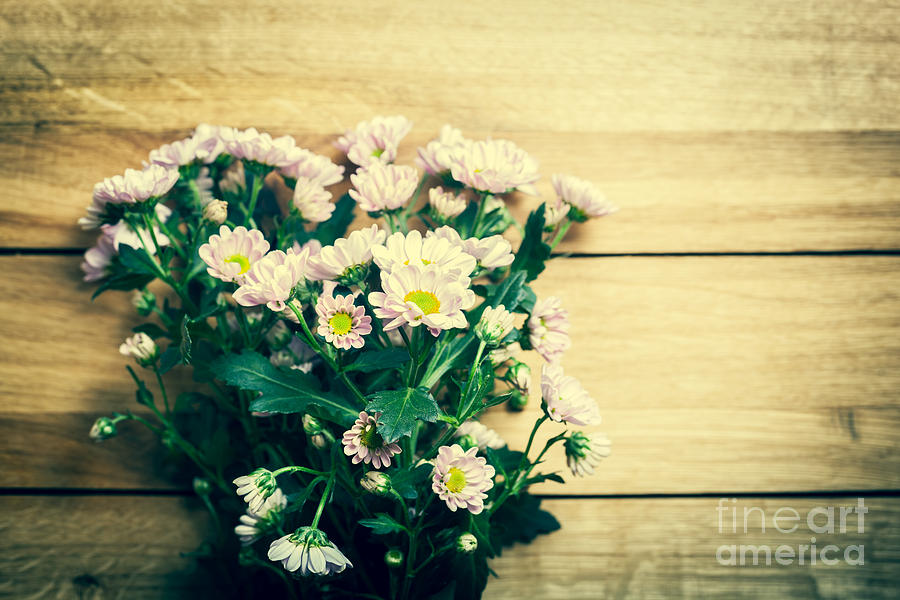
x=583 y=196
x=341 y=322
x=484 y=436
x=348 y=259
x=255 y=522
x=184 y=151
x=504 y=353
x=422 y=295
x=122 y=233
x=208 y=139
x=234 y=181
x=314 y=245
x=491 y=252
x=251 y=145
x=554 y=212
x=98 y=258
x=461 y=479
x=312 y=201
x=437 y=156
x=583 y=453
x=230 y=255
x=495 y=166
x=410 y=249
x=446 y=205
x=566 y=401
x=271 y=280
x=205 y=185
x=300 y=162
x=494 y=325
x=308 y=550
x=374 y=141
x=152 y=182
x=365 y=444
x=548 y=329
x=141 y=348
x=383 y=187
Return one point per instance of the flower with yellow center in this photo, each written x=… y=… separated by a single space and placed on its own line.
x=341 y=322
x=229 y=255
x=461 y=478
x=365 y=444
x=404 y=249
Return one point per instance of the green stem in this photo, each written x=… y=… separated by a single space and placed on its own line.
x=322 y=500
x=478 y=216
x=564 y=228
x=162 y=389
x=255 y=187
x=462 y=413
x=172 y=238
x=296 y=468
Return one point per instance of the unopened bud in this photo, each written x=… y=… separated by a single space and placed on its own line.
x=518 y=401
x=495 y=324
x=202 y=487
x=103 y=429
x=144 y=302
x=467 y=441
x=142 y=348
x=393 y=558
x=466 y=543
x=216 y=212
x=519 y=375
x=376 y=483
x=311 y=425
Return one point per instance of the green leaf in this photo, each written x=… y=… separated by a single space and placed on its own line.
x=540 y=477
x=169 y=358
x=137 y=261
x=400 y=409
x=379 y=360
x=405 y=481
x=282 y=391
x=123 y=281
x=533 y=252
x=527 y=298
x=185 y=347
x=340 y=220
x=481 y=385
x=382 y=524
x=520 y=519
x=151 y=329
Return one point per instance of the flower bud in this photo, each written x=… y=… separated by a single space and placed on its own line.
x=311 y=425
x=144 y=302
x=216 y=212
x=202 y=487
x=466 y=543
x=467 y=441
x=393 y=558
x=495 y=324
x=504 y=353
x=517 y=401
x=519 y=375
x=103 y=429
x=376 y=483
x=445 y=205
x=583 y=453
x=142 y=348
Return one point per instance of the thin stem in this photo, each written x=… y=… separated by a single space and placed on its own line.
x=560 y=234
x=162 y=389
x=295 y=468
x=322 y=500
x=255 y=188
x=462 y=413
x=478 y=216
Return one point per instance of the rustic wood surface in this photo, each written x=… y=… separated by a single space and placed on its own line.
x=721 y=129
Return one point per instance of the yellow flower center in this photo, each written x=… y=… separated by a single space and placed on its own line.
x=457 y=480
x=341 y=323
x=370 y=438
x=377 y=152
x=427 y=301
x=241 y=260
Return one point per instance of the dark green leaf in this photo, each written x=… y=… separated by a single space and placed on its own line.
x=527 y=298
x=123 y=281
x=185 y=347
x=169 y=358
x=405 y=481
x=521 y=519
x=400 y=409
x=541 y=477
x=481 y=385
x=137 y=261
x=533 y=252
x=340 y=220
x=470 y=574
x=379 y=360
x=382 y=524
x=151 y=329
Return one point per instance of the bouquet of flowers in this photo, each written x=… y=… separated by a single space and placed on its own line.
x=337 y=378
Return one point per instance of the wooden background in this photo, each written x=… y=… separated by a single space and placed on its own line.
x=738 y=320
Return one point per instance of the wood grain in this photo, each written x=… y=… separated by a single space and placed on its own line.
x=765 y=373
x=109 y=547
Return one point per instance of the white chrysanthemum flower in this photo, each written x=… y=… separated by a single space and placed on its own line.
x=437 y=156
x=122 y=233
x=205 y=186
x=446 y=205
x=484 y=436
x=461 y=479
x=410 y=249
x=374 y=141
x=253 y=146
x=98 y=258
x=312 y=201
x=256 y=487
x=548 y=329
x=256 y=523
x=365 y=444
x=230 y=255
x=347 y=261
x=208 y=138
x=585 y=200
x=153 y=182
x=565 y=399
x=271 y=280
x=490 y=253
x=555 y=212
x=341 y=322
x=308 y=550
x=504 y=353
x=495 y=166
x=494 y=325
x=583 y=453
x=382 y=187
x=185 y=151
x=141 y=348
x=422 y=295
x=301 y=163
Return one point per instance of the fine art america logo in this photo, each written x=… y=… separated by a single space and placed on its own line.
x=822 y=520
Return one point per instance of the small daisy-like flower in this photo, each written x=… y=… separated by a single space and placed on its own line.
x=308 y=550
x=184 y=151
x=565 y=399
x=495 y=166
x=490 y=253
x=406 y=249
x=382 y=187
x=461 y=479
x=554 y=213
x=504 y=353
x=312 y=201
x=256 y=487
x=152 y=182
x=98 y=259
x=271 y=279
x=583 y=453
x=347 y=261
x=422 y=295
x=300 y=163
x=376 y=483
x=122 y=233
x=437 y=156
x=253 y=146
x=548 y=329
x=365 y=444
x=445 y=205
x=255 y=523
x=205 y=186
x=484 y=436
x=585 y=200
x=142 y=348
x=374 y=141
x=341 y=322
x=208 y=139
x=494 y=325
x=230 y=255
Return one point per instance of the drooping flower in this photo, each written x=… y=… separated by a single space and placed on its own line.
x=374 y=141
x=422 y=295
x=548 y=329
x=256 y=487
x=381 y=187
x=436 y=157
x=230 y=255
x=495 y=166
x=365 y=444
x=445 y=205
x=461 y=479
x=308 y=550
x=583 y=453
x=341 y=322
x=312 y=201
x=406 y=249
x=565 y=399
x=584 y=198
x=301 y=163
x=494 y=325
x=347 y=261
x=141 y=348
x=255 y=523
x=484 y=436
x=271 y=280
x=234 y=181
x=98 y=258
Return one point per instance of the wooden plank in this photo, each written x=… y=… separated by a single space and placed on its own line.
x=625 y=548
x=761 y=373
x=742 y=191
